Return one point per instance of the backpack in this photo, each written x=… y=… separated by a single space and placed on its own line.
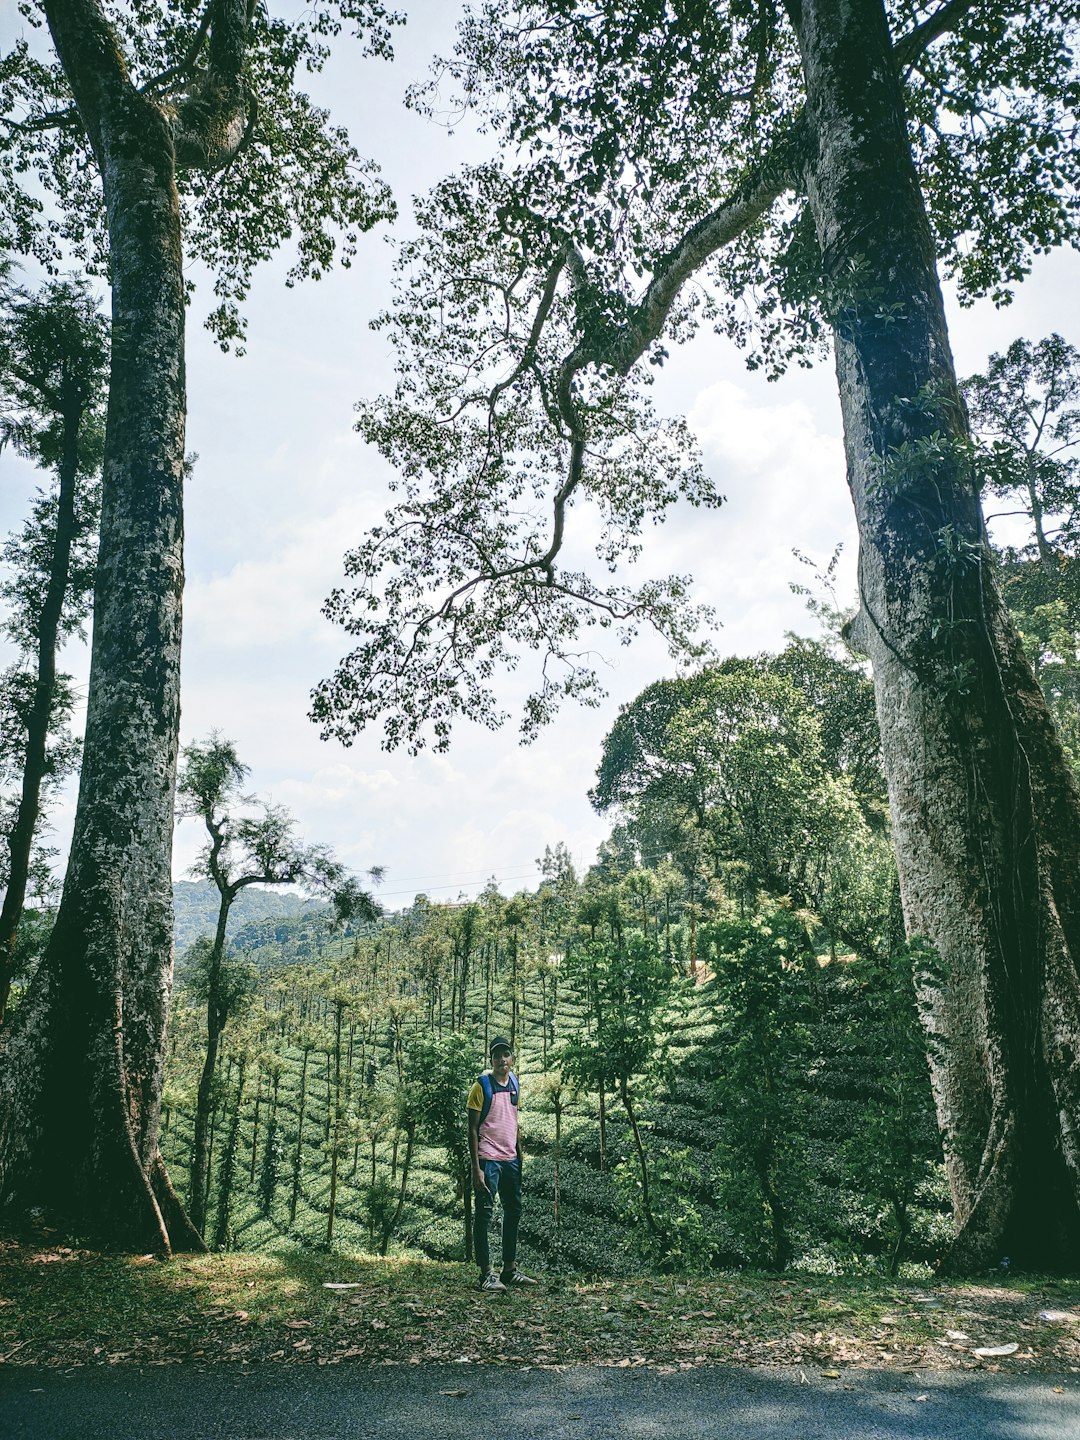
x=485 y=1086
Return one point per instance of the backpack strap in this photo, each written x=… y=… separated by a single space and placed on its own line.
x=486 y=1087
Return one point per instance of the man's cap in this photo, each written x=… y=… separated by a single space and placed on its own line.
x=500 y=1043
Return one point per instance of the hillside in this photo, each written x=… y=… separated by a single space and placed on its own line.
x=312 y=1121
x=195 y=903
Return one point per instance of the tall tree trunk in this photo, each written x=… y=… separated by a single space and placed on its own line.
x=986 y=813
x=83 y=1071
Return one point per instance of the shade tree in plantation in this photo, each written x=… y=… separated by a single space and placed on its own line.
x=730 y=762
x=146 y=138
x=763 y=1044
x=54 y=351
x=442 y=1068
x=627 y=983
x=793 y=174
x=248 y=843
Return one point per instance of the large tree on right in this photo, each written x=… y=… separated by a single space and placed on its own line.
x=794 y=174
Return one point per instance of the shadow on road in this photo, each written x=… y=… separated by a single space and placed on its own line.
x=473 y=1402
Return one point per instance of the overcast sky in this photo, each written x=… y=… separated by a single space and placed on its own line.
x=282 y=486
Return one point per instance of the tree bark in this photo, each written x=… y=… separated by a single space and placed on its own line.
x=986 y=813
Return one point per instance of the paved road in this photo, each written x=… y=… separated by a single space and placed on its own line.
x=406 y=1403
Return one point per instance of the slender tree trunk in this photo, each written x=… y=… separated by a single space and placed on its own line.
x=200 y=1153
x=83 y=1074
x=255 y=1124
x=371 y=1191
x=35 y=763
x=513 y=990
x=646 y=1203
x=558 y=1107
x=391 y=1229
x=216 y=1017
x=781 y=1244
x=467 y=1193
x=464 y=979
x=227 y=1168
x=339 y=1115
x=488 y=994
x=986 y=813
x=299 y=1151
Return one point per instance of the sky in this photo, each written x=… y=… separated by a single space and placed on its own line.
x=283 y=486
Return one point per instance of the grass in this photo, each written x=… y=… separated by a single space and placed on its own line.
x=67 y=1307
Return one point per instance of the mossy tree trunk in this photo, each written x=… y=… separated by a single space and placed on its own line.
x=986 y=813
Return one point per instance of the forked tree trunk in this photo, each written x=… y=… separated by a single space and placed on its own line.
x=986 y=814
x=83 y=1068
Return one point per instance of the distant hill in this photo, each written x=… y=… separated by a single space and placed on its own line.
x=195 y=903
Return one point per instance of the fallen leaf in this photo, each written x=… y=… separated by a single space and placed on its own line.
x=343 y=1285
x=830 y=1374
x=455 y=1394
x=298 y=1324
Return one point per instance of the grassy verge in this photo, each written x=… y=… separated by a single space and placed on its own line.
x=65 y=1307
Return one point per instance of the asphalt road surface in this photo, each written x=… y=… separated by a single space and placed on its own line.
x=472 y=1402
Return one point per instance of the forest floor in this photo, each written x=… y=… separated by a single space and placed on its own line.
x=67 y=1307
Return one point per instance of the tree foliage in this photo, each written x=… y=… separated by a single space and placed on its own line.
x=653 y=179
x=260 y=164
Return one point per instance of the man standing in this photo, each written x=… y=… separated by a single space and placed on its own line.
x=495 y=1147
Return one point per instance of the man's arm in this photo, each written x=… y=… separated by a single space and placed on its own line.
x=479 y=1183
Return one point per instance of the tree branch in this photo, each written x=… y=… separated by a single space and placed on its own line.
x=910 y=46
x=185 y=66
x=214 y=122
x=766 y=182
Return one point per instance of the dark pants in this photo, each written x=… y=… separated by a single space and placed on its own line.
x=503 y=1178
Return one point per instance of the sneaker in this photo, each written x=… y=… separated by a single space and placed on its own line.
x=517 y=1278
x=491 y=1281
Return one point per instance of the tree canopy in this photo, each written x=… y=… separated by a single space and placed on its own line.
x=259 y=164
x=654 y=179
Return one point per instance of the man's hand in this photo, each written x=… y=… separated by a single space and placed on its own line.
x=479 y=1183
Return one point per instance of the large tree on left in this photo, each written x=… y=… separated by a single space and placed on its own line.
x=157 y=122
